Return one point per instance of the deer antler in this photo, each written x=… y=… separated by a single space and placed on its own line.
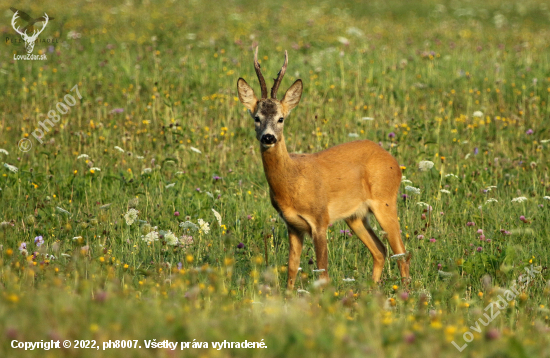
x=35 y=34
x=15 y=17
x=279 y=78
x=259 y=73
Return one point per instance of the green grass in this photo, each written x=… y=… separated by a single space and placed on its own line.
x=419 y=69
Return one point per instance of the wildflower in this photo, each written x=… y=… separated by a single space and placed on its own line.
x=425 y=165
x=482 y=237
x=348 y=279
x=39 y=240
x=479 y=248
x=117 y=110
x=94 y=169
x=146 y=171
x=180 y=266
x=119 y=149
x=476 y=151
x=367 y=118
x=406 y=181
x=519 y=199
x=391 y=135
x=3 y=151
x=151 y=237
x=353 y=135
x=240 y=245
x=140 y=157
x=195 y=150
x=412 y=189
x=478 y=114
x=131 y=216
x=546 y=197
x=445 y=191
x=204 y=227
x=189 y=226
x=470 y=223
x=480 y=231
x=186 y=241
x=433 y=240
x=529 y=131
x=170 y=185
x=215 y=177
x=176 y=213
x=420 y=237
x=491 y=201
x=85 y=156
x=218 y=217
x=23 y=246
x=11 y=168
x=60 y=209
x=171 y=239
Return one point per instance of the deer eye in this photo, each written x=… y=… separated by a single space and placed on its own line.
x=281 y=120
x=257 y=119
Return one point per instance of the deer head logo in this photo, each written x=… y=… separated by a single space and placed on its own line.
x=29 y=40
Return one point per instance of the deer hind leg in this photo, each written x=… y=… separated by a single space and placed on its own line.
x=296 y=244
x=386 y=215
x=362 y=229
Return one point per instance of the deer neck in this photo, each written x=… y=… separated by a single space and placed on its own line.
x=278 y=167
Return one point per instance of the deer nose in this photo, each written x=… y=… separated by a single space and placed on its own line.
x=268 y=139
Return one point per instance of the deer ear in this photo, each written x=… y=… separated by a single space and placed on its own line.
x=246 y=95
x=292 y=96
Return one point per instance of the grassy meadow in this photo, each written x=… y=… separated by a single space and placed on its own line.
x=108 y=228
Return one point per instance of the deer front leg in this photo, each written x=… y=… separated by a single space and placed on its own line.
x=321 y=251
x=296 y=244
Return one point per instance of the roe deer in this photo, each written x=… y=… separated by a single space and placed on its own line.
x=311 y=191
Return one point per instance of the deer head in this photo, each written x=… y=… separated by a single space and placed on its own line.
x=269 y=113
x=29 y=40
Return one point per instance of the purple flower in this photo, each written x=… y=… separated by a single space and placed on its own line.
x=482 y=237
x=404 y=196
x=439 y=266
x=176 y=213
x=38 y=241
x=391 y=135
x=51 y=49
x=310 y=262
x=215 y=177
x=529 y=131
x=117 y=110
x=470 y=223
x=492 y=334
x=480 y=231
x=479 y=248
x=522 y=218
x=23 y=246
x=433 y=240
x=476 y=150
x=180 y=265
x=198 y=189
x=404 y=295
x=420 y=237
x=240 y=245
x=488 y=240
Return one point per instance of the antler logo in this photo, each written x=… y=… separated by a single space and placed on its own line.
x=29 y=40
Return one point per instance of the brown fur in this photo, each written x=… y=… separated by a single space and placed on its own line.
x=311 y=191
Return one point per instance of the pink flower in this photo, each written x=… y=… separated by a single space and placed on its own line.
x=479 y=231
x=479 y=249
x=420 y=237
x=433 y=240
x=482 y=237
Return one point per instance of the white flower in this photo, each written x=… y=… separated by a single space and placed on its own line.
x=546 y=197
x=218 y=216
x=492 y=187
x=62 y=210
x=445 y=191
x=425 y=165
x=412 y=189
x=519 y=199
x=203 y=226
x=353 y=135
x=11 y=168
x=150 y=237
x=320 y=270
x=119 y=149
x=343 y=40
x=450 y=175
x=301 y=291
x=131 y=216
x=478 y=114
x=95 y=169
x=83 y=156
x=491 y=201
x=189 y=226
x=140 y=157
x=3 y=151
x=348 y=279
x=320 y=282
x=406 y=181
x=545 y=140
x=186 y=241
x=171 y=239
x=170 y=185
x=210 y=194
x=367 y=119
x=146 y=171
x=180 y=173
x=195 y=150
